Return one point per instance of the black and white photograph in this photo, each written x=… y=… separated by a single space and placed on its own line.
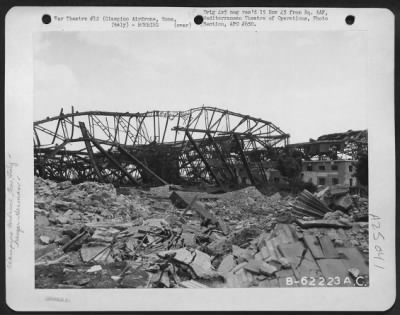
x=199 y=159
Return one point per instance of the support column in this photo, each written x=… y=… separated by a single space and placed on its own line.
x=197 y=149
x=221 y=156
x=137 y=161
x=243 y=157
x=90 y=151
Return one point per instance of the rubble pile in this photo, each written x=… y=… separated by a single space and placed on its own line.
x=91 y=235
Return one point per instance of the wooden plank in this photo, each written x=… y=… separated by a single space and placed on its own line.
x=343 y=236
x=264 y=252
x=290 y=232
x=282 y=234
x=226 y=265
x=177 y=197
x=327 y=247
x=275 y=242
x=240 y=279
x=313 y=244
x=271 y=249
x=354 y=259
x=307 y=268
x=292 y=252
x=301 y=266
x=135 y=159
x=90 y=151
x=321 y=224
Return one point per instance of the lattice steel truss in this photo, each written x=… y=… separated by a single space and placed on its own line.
x=203 y=144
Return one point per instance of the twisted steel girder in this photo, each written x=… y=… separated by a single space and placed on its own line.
x=201 y=144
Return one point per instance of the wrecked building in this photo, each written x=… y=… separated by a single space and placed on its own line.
x=119 y=204
x=331 y=159
x=203 y=144
x=90 y=235
x=328 y=173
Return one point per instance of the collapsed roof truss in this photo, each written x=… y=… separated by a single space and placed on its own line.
x=201 y=144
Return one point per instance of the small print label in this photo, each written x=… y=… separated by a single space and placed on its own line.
x=336 y=281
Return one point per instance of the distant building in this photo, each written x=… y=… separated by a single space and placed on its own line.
x=331 y=159
x=329 y=172
x=274 y=176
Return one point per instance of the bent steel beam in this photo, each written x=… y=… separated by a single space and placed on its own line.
x=90 y=151
x=243 y=158
x=198 y=145
x=136 y=160
x=203 y=158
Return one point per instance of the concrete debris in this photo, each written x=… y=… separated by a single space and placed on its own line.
x=91 y=236
x=343 y=202
x=202 y=266
x=275 y=197
x=323 y=224
x=226 y=265
x=354 y=272
x=308 y=204
x=260 y=267
x=45 y=240
x=96 y=253
x=95 y=268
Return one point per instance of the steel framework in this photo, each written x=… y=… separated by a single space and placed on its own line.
x=349 y=144
x=204 y=144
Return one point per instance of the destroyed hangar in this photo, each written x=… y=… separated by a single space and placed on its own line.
x=123 y=200
x=201 y=145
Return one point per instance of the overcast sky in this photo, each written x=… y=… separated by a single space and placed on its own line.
x=306 y=83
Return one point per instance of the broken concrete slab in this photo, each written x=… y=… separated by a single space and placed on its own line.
x=202 y=266
x=239 y=279
x=182 y=255
x=156 y=222
x=44 y=239
x=39 y=252
x=41 y=220
x=241 y=253
x=106 y=235
x=275 y=197
x=327 y=247
x=76 y=242
x=343 y=202
x=181 y=200
x=354 y=272
x=338 y=190
x=62 y=240
x=189 y=239
x=322 y=224
x=93 y=269
x=92 y=253
x=227 y=264
x=314 y=246
x=62 y=219
x=260 y=267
